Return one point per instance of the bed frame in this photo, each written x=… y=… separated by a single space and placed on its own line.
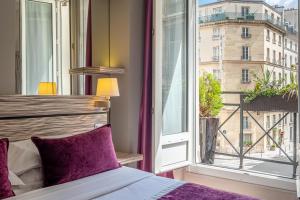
x=22 y=117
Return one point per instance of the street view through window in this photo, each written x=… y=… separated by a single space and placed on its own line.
x=248 y=57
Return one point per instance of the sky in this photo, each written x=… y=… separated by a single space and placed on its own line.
x=286 y=3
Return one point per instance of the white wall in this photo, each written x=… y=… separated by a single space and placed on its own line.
x=127 y=51
x=7 y=46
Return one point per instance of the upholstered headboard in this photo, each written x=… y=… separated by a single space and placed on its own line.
x=24 y=116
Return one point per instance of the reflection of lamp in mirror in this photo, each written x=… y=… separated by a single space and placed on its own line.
x=47 y=88
x=107 y=87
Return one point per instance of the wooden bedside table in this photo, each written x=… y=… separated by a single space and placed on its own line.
x=128 y=158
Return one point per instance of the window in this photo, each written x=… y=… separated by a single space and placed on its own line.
x=247 y=139
x=285 y=120
x=45 y=50
x=274 y=119
x=285 y=43
x=272 y=17
x=279 y=76
x=216 y=33
x=245 y=32
x=245 y=11
x=291 y=134
x=216 y=53
x=291 y=45
x=217 y=10
x=285 y=60
x=268 y=35
x=279 y=118
x=274 y=38
x=245 y=76
x=291 y=60
x=279 y=58
x=278 y=21
x=217 y=74
x=268 y=51
x=246 y=122
x=279 y=40
x=268 y=123
x=173 y=86
x=274 y=56
x=285 y=78
x=245 y=55
x=291 y=118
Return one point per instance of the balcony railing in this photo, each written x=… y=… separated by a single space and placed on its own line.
x=215 y=37
x=246 y=58
x=238 y=16
x=215 y=58
x=240 y=152
x=246 y=35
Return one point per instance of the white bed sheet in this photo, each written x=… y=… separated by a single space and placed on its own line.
x=123 y=183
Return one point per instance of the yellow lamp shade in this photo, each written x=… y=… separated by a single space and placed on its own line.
x=47 y=88
x=107 y=87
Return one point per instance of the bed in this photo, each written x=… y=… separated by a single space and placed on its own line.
x=56 y=115
x=126 y=184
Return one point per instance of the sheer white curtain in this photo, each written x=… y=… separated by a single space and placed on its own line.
x=174 y=73
x=39 y=45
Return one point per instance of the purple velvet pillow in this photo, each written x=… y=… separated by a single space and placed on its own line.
x=71 y=158
x=5 y=186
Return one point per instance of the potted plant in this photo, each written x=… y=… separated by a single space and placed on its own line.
x=272 y=148
x=210 y=106
x=272 y=95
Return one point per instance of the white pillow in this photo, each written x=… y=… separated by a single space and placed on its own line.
x=23 y=156
x=14 y=179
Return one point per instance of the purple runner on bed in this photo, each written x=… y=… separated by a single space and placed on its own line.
x=197 y=192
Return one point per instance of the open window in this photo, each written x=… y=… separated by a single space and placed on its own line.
x=174 y=84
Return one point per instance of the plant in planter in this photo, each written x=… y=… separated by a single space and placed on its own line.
x=267 y=87
x=210 y=106
x=247 y=144
x=273 y=147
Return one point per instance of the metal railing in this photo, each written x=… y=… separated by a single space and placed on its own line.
x=239 y=16
x=240 y=152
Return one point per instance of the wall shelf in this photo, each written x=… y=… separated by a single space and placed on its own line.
x=97 y=71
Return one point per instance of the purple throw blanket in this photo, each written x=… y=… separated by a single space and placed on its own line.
x=197 y=192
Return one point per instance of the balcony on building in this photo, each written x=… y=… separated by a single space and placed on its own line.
x=232 y=16
x=243 y=35
x=216 y=37
x=215 y=58
x=246 y=58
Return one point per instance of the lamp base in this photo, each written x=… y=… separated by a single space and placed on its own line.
x=102 y=104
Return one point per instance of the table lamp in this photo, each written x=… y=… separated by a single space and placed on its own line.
x=107 y=87
x=47 y=88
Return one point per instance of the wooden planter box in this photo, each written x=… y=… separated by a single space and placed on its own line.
x=275 y=104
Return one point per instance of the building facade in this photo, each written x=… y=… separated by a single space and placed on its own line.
x=239 y=40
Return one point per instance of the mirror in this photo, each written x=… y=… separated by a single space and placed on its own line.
x=41 y=40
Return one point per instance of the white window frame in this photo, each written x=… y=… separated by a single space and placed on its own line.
x=246 y=53
x=23 y=41
x=158 y=139
x=245 y=32
x=245 y=76
x=60 y=47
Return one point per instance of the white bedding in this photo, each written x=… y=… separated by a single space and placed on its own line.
x=123 y=183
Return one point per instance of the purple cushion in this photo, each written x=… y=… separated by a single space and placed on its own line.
x=71 y=158
x=5 y=186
